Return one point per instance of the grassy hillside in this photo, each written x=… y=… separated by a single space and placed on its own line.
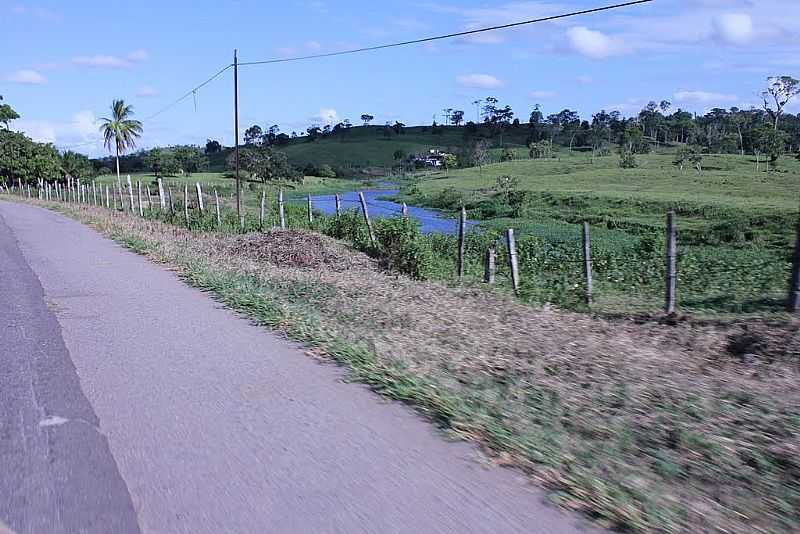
x=369 y=147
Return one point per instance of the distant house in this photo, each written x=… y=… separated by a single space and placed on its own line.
x=432 y=158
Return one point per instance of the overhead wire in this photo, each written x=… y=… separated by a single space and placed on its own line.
x=193 y=91
x=448 y=35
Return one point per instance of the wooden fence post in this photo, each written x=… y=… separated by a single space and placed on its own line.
x=512 y=259
x=361 y=198
x=186 y=203
x=243 y=208
x=310 y=212
x=338 y=205
x=219 y=214
x=80 y=191
x=261 y=211
x=139 y=197
x=793 y=304
x=281 y=213
x=161 y=199
x=489 y=266
x=119 y=194
x=149 y=200
x=171 y=203
x=94 y=193
x=108 y=198
x=130 y=192
x=404 y=210
x=462 y=242
x=587 y=264
x=671 y=267
x=200 y=204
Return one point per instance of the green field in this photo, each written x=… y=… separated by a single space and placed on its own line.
x=735 y=226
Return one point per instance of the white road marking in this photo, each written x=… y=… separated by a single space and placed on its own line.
x=53 y=421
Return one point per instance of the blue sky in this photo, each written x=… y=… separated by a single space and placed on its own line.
x=63 y=62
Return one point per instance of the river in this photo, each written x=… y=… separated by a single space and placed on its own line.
x=430 y=220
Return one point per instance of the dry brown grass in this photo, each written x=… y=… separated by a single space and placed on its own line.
x=657 y=428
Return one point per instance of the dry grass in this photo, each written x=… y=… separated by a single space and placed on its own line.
x=655 y=428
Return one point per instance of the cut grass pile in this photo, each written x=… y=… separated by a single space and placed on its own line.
x=690 y=428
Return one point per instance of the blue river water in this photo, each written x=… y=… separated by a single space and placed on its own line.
x=430 y=220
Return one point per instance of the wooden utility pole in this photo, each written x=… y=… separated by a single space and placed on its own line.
x=236 y=135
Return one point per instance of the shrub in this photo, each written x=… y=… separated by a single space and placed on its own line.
x=403 y=248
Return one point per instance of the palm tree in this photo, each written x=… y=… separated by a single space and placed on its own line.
x=120 y=129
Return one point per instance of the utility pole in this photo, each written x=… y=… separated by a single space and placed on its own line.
x=477 y=111
x=236 y=132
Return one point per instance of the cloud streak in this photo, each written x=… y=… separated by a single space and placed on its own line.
x=479 y=81
x=105 y=61
x=27 y=77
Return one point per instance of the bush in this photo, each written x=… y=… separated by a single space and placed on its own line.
x=403 y=248
x=627 y=160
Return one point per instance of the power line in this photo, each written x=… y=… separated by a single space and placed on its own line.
x=189 y=93
x=447 y=36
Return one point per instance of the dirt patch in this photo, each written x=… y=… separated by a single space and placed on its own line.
x=294 y=248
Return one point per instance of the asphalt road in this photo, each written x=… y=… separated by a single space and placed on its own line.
x=131 y=402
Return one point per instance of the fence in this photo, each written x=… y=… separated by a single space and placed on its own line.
x=574 y=266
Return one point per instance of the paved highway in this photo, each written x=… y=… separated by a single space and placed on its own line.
x=130 y=402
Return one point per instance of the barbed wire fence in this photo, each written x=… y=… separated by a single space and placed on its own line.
x=560 y=263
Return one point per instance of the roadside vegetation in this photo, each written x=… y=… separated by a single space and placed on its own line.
x=656 y=429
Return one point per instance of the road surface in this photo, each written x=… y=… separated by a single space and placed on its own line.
x=130 y=402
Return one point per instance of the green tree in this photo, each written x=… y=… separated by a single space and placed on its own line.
x=265 y=163
x=770 y=142
x=366 y=118
x=76 y=165
x=780 y=91
x=23 y=159
x=253 y=135
x=689 y=154
x=120 y=130
x=448 y=161
x=190 y=158
x=161 y=162
x=7 y=114
x=212 y=146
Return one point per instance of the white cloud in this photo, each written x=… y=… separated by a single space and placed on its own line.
x=28 y=77
x=327 y=116
x=703 y=97
x=103 y=61
x=81 y=129
x=594 y=44
x=146 y=92
x=479 y=81
x=111 y=62
x=542 y=94
x=138 y=55
x=734 y=28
